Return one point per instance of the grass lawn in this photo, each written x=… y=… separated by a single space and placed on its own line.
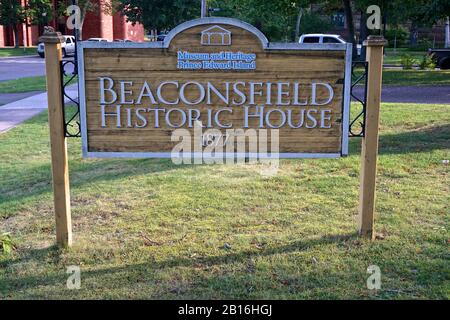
x=11 y=52
x=25 y=84
x=151 y=229
x=395 y=58
x=415 y=77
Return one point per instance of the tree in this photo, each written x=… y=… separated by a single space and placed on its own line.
x=423 y=13
x=418 y=13
x=159 y=14
x=12 y=13
x=278 y=19
x=350 y=24
x=39 y=12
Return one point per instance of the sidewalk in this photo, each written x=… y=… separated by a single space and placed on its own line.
x=14 y=113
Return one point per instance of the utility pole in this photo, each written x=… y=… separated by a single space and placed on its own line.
x=204 y=9
x=447 y=33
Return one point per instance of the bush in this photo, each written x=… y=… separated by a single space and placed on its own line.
x=422 y=45
x=408 y=61
x=427 y=63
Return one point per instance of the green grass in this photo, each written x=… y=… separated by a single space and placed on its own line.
x=149 y=229
x=11 y=52
x=394 y=58
x=416 y=77
x=26 y=84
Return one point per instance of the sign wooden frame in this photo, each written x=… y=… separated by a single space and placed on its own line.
x=267 y=46
x=58 y=140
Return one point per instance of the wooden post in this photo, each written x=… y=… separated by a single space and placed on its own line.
x=58 y=143
x=204 y=9
x=369 y=145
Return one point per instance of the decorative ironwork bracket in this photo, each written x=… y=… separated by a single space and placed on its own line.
x=72 y=125
x=359 y=76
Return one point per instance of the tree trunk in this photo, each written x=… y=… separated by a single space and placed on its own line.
x=413 y=35
x=363 y=32
x=297 y=25
x=447 y=33
x=350 y=24
x=16 y=35
x=258 y=24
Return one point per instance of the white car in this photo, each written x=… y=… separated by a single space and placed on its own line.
x=325 y=38
x=98 y=39
x=68 y=47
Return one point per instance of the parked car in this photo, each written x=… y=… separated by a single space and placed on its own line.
x=68 y=47
x=325 y=38
x=98 y=39
x=123 y=40
x=161 y=37
x=441 y=57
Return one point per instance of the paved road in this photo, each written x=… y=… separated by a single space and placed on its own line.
x=411 y=94
x=20 y=67
x=28 y=66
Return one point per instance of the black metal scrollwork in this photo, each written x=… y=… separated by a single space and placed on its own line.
x=359 y=76
x=72 y=123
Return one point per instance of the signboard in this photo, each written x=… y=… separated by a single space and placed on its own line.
x=213 y=73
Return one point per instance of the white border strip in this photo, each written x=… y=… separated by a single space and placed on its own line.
x=165 y=155
x=82 y=99
x=346 y=98
x=165 y=44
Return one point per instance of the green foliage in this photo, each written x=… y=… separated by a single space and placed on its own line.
x=159 y=14
x=276 y=19
x=427 y=63
x=408 y=61
x=313 y=23
x=6 y=244
x=39 y=12
x=11 y=13
x=422 y=45
x=421 y=12
x=399 y=34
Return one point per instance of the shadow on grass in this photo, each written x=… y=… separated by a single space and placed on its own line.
x=51 y=254
x=420 y=140
x=37 y=180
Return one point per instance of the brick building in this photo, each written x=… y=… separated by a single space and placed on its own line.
x=96 y=25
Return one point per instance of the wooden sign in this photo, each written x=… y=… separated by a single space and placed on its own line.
x=220 y=73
